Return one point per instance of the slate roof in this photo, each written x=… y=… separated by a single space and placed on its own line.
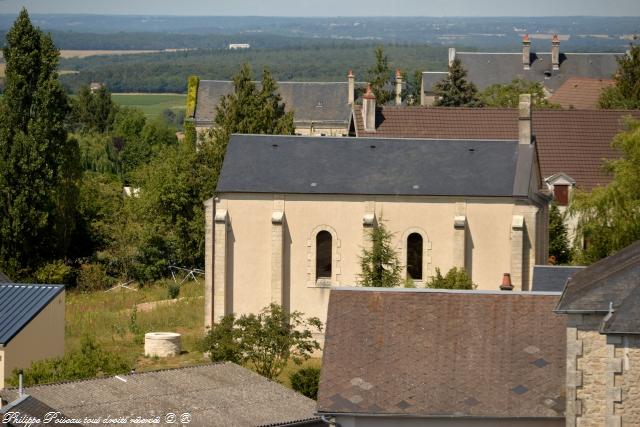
x=322 y=165
x=575 y=142
x=430 y=78
x=28 y=406
x=552 y=278
x=581 y=93
x=19 y=304
x=318 y=102
x=613 y=282
x=486 y=69
x=4 y=278
x=435 y=353
x=222 y=394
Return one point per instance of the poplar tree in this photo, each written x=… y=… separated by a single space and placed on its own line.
x=39 y=166
x=379 y=77
x=455 y=90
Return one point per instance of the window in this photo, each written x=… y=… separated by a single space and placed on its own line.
x=414 y=256
x=324 y=245
x=561 y=194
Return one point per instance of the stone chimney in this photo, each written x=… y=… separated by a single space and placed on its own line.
x=555 y=52
x=398 y=87
x=352 y=87
x=526 y=52
x=506 y=283
x=369 y=110
x=524 y=119
x=452 y=55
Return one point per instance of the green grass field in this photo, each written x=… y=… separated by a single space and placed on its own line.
x=152 y=104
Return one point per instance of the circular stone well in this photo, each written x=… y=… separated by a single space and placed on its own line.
x=162 y=344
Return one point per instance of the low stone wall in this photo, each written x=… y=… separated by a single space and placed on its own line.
x=162 y=344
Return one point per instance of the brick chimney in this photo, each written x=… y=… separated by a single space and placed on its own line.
x=526 y=52
x=506 y=282
x=352 y=87
x=555 y=52
x=524 y=119
x=398 y=87
x=369 y=110
x=452 y=55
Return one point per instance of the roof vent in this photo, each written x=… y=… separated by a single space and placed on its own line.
x=416 y=187
x=274 y=145
x=472 y=149
x=314 y=184
x=372 y=147
x=547 y=74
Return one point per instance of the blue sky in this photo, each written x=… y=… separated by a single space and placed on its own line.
x=332 y=7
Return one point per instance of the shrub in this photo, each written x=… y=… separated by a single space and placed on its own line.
x=305 y=381
x=56 y=272
x=93 y=277
x=173 y=290
x=454 y=279
x=222 y=341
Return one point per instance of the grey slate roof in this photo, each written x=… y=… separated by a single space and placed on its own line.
x=430 y=78
x=552 y=278
x=4 y=278
x=486 y=69
x=317 y=102
x=613 y=282
x=28 y=406
x=20 y=303
x=321 y=165
x=221 y=394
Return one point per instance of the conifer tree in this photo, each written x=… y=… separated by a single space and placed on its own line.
x=455 y=90
x=379 y=264
x=379 y=77
x=39 y=166
x=559 y=247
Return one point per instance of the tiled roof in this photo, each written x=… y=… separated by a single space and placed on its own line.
x=574 y=142
x=421 y=353
x=317 y=102
x=19 y=304
x=324 y=165
x=552 y=278
x=580 y=93
x=221 y=394
x=28 y=406
x=611 y=283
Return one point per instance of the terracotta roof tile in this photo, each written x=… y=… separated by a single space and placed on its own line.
x=580 y=93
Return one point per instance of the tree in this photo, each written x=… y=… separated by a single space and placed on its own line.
x=559 y=247
x=609 y=217
x=93 y=111
x=266 y=341
x=456 y=278
x=508 y=95
x=39 y=165
x=379 y=264
x=379 y=77
x=305 y=381
x=413 y=88
x=455 y=90
x=625 y=94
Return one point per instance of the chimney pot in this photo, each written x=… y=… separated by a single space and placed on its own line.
x=398 y=87
x=452 y=56
x=526 y=52
x=352 y=87
x=369 y=110
x=506 y=282
x=555 y=52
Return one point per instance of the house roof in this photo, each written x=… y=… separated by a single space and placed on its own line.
x=20 y=303
x=485 y=69
x=436 y=353
x=222 y=394
x=312 y=102
x=575 y=142
x=552 y=278
x=4 y=278
x=611 y=283
x=322 y=165
x=580 y=93
x=28 y=406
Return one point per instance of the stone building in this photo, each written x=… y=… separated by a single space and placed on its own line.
x=292 y=215
x=603 y=342
x=551 y=69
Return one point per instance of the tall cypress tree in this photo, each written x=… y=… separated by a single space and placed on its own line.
x=39 y=166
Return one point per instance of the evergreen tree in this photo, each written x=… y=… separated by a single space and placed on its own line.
x=625 y=94
x=93 y=111
x=379 y=265
x=455 y=90
x=39 y=166
x=609 y=217
x=379 y=77
x=559 y=247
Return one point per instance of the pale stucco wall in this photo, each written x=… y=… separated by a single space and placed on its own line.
x=42 y=338
x=249 y=242
x=345 y=421
x=300 y=129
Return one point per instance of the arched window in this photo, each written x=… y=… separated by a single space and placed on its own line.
x=323 y=255
x=414 y=256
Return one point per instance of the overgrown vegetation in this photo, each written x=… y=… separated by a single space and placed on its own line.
x=456 y=278
x=379 y=263
x=625 y=94
x=508 y=95
x=266 y=341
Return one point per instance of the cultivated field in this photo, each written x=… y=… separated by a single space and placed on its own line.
x=152 y=104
